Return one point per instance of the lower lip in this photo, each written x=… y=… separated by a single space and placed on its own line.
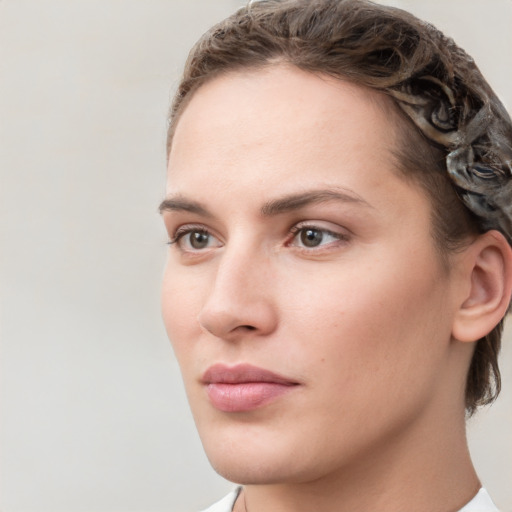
x=245 y=396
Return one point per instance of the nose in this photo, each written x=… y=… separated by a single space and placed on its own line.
x=240 y=300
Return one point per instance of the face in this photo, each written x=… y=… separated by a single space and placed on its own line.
x=306 y=303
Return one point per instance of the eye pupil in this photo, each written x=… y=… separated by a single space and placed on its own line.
x=198 y=240
x=311 y=237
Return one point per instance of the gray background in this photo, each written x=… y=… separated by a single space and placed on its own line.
x=94 y=416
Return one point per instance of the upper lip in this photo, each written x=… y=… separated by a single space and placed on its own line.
x=242 y=373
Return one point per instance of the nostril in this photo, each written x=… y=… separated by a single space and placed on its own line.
x=248 y=327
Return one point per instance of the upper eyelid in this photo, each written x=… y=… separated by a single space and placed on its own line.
x=174 y=220
x=339 y=234
x=184 y=229
x=321 y=226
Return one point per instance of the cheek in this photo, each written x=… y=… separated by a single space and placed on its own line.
x=369 y=351
x=377 y=323
x=179 y=309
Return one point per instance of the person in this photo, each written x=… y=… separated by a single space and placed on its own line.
x=337 y=205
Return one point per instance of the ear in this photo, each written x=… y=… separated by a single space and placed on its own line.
x=487 y=286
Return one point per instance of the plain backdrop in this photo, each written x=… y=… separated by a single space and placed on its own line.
x=94 y=416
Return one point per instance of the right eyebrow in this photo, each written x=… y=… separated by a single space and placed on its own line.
x=296 y=201
x=178 y=203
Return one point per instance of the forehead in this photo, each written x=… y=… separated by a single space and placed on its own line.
x=279 y=105
x=285 y=127
x=266 y=99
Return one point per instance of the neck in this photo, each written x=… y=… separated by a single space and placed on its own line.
x=426 y=470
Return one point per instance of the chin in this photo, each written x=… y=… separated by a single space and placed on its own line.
x=242 y=462
x=259 y=459
x=251 y=457
x=255 y=471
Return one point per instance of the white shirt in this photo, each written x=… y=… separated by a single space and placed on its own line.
x=480 y=503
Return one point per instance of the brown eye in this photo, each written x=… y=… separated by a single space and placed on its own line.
x=316 y=238
x=311 y=237
x=198 y=239
x=191 y=239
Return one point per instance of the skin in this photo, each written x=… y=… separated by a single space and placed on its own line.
x=363 y=322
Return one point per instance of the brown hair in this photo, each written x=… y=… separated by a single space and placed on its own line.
x=435 y=86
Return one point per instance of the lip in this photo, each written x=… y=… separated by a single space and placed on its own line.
x=244 y=387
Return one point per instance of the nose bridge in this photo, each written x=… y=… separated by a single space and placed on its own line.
x=240 y=297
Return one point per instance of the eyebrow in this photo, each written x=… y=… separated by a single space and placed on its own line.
x=302 y=199
x=179 y=203
x=273 y=207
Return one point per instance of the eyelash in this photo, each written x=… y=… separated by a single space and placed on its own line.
x=294 y=232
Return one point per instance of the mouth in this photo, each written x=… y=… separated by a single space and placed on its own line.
x=243 y=387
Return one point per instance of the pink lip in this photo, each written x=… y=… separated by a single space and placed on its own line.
x=243 y=387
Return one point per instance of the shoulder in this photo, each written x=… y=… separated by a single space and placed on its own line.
x=226 y=503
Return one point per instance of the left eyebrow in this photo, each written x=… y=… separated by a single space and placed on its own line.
x=300 y=200
x=179 y=203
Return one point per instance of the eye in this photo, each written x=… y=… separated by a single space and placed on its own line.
x=194 y=239
x=311 y=237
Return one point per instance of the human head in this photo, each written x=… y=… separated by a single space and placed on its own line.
x=456 y=135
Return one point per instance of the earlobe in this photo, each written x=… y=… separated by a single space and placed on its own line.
x=487 y=271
